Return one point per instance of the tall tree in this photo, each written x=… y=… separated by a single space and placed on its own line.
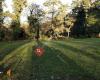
x=52 y=8
x=61 y=20
x=52 y=4
x=1 y=21
x=79 y=28
x=93 y=20
x=1 y=12
x=62 y=12
x=34 y=19
x=80 y=10
x=18 y=8
x=76 y=4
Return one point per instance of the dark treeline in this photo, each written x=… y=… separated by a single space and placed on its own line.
x=82 y=22
x=87 y=20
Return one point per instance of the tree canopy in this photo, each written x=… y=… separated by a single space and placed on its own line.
x=54 y=20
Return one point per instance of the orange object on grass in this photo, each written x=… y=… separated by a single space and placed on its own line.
x=39 y=51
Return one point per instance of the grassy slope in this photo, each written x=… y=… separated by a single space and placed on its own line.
x=74 y=59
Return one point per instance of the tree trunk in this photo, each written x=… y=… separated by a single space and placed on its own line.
x=68 y=34
x=38 y=32
x=1 y=11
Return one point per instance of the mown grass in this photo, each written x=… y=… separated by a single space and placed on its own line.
x=85 y=53
x=19 y=60
x=8 y=47
x=73 y=59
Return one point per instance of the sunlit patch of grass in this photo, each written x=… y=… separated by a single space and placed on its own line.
x=73 y=59
x=86 y=59
x=20 y=60
x=8 y=47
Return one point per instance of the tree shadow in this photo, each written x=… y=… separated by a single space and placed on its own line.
x=54 y=65
x=10 y=49
x=83 y=52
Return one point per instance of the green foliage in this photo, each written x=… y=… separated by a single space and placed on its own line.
x=86 y=14
x=1 y=13
x=2 y=34
x=5 y=34
x=35 y=18
x=61 y=13
x=86 y=4
x=79 y=28
x=51 y=3
x=78 y=3
x=33 y=23
x=93 y=20
x=15 y=23
x=18 y=7
x=96 y=4
x=17 y=32
x=57 y=11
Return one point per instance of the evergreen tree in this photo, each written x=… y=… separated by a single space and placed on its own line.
x=79 y=28
x=93 y=20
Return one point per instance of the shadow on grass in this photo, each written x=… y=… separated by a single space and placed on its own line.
x=54 y=65
x=89 y=45
x=9 y=49
x=24 y=69
x=83 y=52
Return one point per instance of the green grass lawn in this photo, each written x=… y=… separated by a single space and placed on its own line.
x=73 y=59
